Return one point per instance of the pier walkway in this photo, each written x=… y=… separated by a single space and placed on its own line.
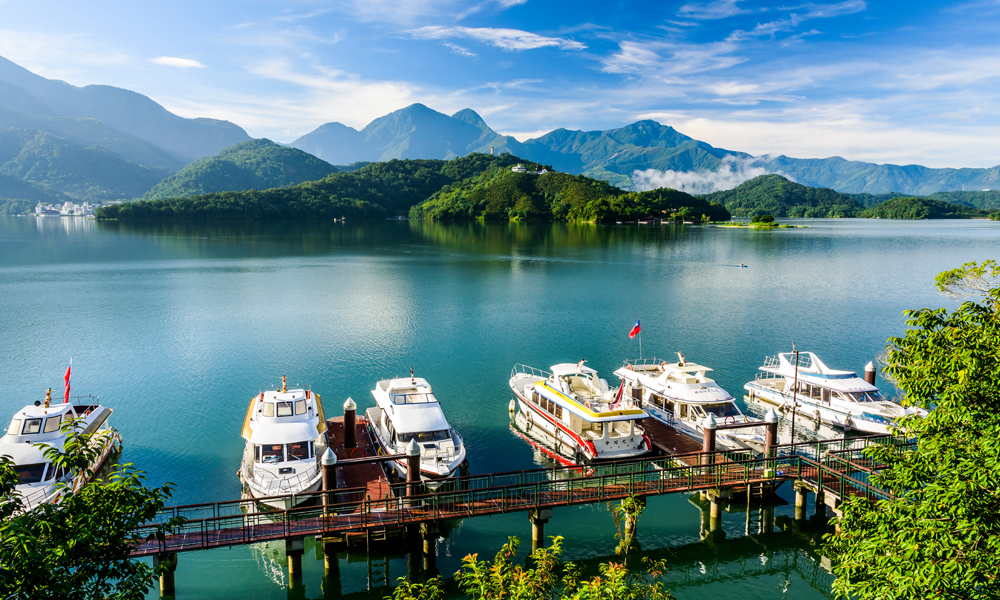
x=837 y=469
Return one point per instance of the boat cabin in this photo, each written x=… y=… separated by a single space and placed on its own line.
x=285 y=426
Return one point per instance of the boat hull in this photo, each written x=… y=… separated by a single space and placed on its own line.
x=815 y=412
x=281 y=502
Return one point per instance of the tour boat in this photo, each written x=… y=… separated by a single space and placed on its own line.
x=39 y=481
x=286 y=436
x=824 y=395
x=405 y=410
x=575 y=407
x=681 y=395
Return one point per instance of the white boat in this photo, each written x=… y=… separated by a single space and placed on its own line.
x=824 y=395
x=285 y=432
x=681 y=395
x=405 y=410
x=575 y=407
x=39 y=481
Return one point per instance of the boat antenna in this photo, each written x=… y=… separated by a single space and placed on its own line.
x=795 y=387
x=284 y=387
x=412 y=380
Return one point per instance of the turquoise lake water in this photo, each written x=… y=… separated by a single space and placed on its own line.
x=176 y=327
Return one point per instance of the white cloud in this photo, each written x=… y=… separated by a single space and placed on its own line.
x=669 y=58
x=825 y=11
x=510 y=3
x=719 y=9
x=180 y=63
x=505 y=39
x=732 y=172
x=459 y=50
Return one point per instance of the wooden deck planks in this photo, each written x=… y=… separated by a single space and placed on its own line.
x=667 y=439
x=370 y=476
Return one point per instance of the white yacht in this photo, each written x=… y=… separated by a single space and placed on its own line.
x=285 y=432
x=37 y=427
x=681 y=395
x=576 y=408
x=406 y=409
x=824 y=395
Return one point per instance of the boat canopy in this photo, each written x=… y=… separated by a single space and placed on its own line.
x=283 y=433
x=582 y=411
x=813 y=371
x=563 y=369
x=419 y=418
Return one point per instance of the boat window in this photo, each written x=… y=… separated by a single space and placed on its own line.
x=271 y=453
x=697 y=411
x=826 y=395
x=32 y=426
x=599 y=429
x=284 y=409
x=727 y=409
x=668 y=405
x=656 y=400
x=300 y=407
x=52 y=424
x=15 y=426
x=60 y=472
x=684 y=411
x=30 y=473
x=558 y=412
x=412 y=398
x=256 y=453
x=298 y=451
x=426 y=436
x=534 y=397
x=268 y=409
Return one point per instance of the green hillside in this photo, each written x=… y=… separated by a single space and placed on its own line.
x=474 y=186
x=61 y=167
x=256 y=164
x=909 y=207
x=774 y=195
x=986 y=200
x=376 y=190
x=499 y=193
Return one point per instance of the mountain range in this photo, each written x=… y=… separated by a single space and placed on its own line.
x=97 y=142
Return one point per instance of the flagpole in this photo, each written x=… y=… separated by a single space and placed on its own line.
x=640 y=343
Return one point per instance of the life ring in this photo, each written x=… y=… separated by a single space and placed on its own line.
x=358 y=449
x=630 y=368
x=728 y=422
x=379 y=452
x=663 y=366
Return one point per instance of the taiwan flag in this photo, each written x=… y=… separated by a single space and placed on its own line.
x=635 y=330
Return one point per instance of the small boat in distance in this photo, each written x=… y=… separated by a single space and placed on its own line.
x=39 y=481
x=577 y=409
x=681 y=396
x=824 y=395
x=286 y=435
x=406 y=410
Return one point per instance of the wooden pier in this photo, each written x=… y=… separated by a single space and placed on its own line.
x=363 y=504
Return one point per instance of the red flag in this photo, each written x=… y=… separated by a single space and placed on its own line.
x=68 y=369
x=618 y=396
x=635 y=330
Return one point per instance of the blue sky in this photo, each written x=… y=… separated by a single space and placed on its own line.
x=903 y=82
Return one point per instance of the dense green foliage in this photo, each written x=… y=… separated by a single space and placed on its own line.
x=777 y=196
x=474 y=186
x=986 y=200
x=940 y=536
x=256 y=164
x=499 y=193
x=78 y=549
x=376 y=190
x=50 y=166
x=548 y=578
x=909 y=207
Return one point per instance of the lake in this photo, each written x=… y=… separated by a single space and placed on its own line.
x=177 y=326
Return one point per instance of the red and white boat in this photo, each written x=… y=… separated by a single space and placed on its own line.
x=576 y=408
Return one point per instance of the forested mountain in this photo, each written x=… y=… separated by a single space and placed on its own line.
x=474 y=186
x=42 y=167
x=499 y=193
x=988 y=200
x=412 y=132
x=614 y=155
x=46 y=103
x=256 y=164
x=907 y=207
x=774 y=195
x=377 y=190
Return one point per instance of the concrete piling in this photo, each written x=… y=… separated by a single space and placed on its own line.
x=709 y=426
x=538 y=518
x=294 y=548
x=870 y=373
x=801 y=497
x=329 y=463
x=770 y=432
x=167 y=560
x=412 y=469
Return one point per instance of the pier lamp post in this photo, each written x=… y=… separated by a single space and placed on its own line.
x=329 y=461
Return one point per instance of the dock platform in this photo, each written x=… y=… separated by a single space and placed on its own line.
x=365 y=475
x=667 y=440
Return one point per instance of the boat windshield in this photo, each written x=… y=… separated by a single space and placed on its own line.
x=298 y=451
x=412 y=398
x=271 y=453
x=15 y=427
x=30 y=473
x=865 y=397
x=426 y=436
x=726 y=409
